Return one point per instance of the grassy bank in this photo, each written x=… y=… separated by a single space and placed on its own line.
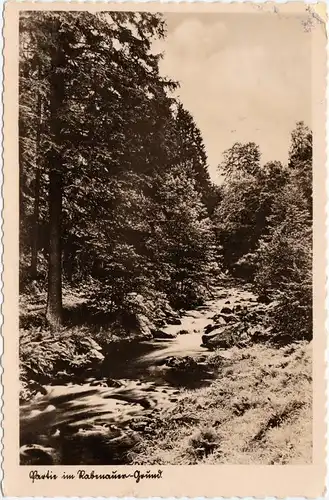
x=259 y=410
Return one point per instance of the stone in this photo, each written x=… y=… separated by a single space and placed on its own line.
x=173 y=321
x=208 y=336
x=226 y=310
x=160 y=323
x=95 y=383
x=186 y=363
x=168 y=310
x=244 y=336
x=214 y=326
x=171 y=361
x=138 y=426
x=282 y=339
x=144 y=326
x=160 y=334
x=35 y=454
x=221 y=338
x=110 y=382
x=229 y=318
x=95 y=355
x=264 y=299
x=36 y=388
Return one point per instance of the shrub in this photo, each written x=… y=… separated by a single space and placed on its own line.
x=203 y=442
x=44 y=354
x=285 y=265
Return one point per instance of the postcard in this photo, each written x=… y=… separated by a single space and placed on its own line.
x=164 y=249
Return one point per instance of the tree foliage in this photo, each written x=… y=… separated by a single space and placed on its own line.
x=249 y=190
x=285 y=255
x=101 y=133
x=264 y=223
x=115 y=193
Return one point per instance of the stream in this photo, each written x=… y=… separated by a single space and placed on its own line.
x=98 y=418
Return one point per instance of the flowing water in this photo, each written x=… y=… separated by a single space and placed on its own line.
x=96 y=419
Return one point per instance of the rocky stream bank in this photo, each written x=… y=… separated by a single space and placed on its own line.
x=107 y=410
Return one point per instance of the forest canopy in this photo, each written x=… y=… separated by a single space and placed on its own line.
x=115 y=194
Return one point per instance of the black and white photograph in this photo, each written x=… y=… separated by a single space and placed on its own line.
x=165 y=238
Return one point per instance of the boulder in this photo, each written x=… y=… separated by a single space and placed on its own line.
x=36 y=388
x=209 y=328
x=160 y=323
x=263 y=299
x=260 y=334
x=35 y=454
x=215 y=326
x=217 y=317
x=255 y=316
x=226 y=310
x=139 y=423
x=282 y=339
x=168 y=310
x=221 y=338
x=110 y=382
x=95 y=355
x=183 y=332
x=144 y=326
x=131 y=323
x=160 y=334
x=173 y=320
x=208 y=336
x=186 y=363
x=228 y=318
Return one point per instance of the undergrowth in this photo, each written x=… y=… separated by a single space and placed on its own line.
x=45 y=356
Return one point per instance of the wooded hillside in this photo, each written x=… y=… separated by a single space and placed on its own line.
x=115 y=195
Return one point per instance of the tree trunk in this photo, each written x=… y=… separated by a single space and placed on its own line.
x=35 y=219
x=35 y=228
x=54 y=302
x=54 y=313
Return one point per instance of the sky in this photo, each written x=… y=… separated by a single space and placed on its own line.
x=243 y=77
